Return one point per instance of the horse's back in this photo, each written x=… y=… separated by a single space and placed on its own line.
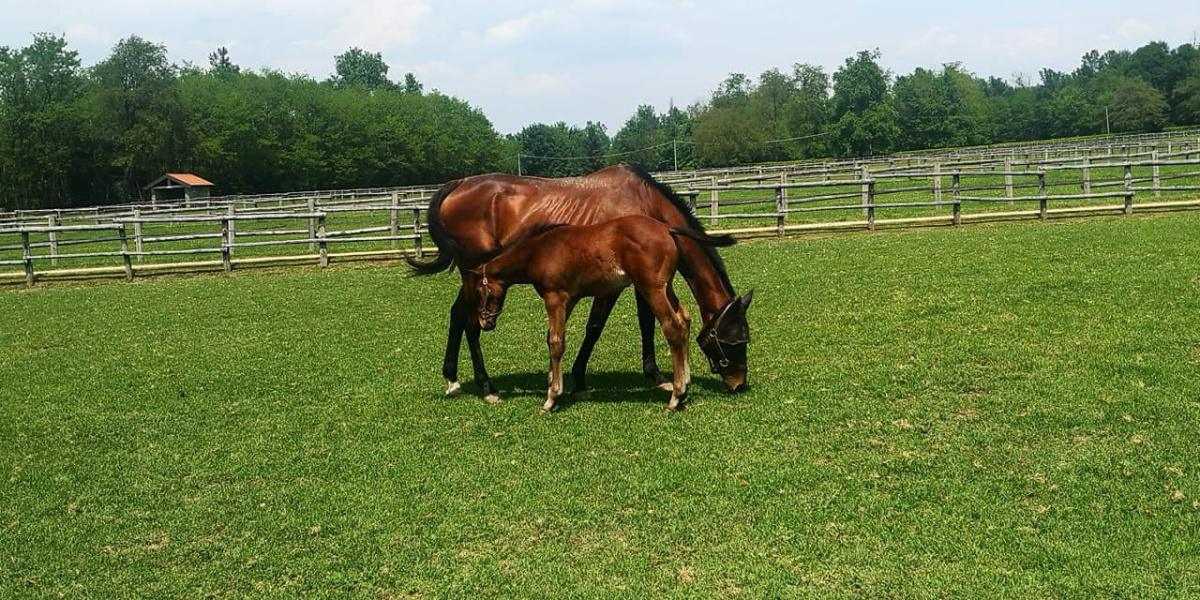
x=485 y=212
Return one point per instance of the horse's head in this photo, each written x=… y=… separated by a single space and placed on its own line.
x=724 y=340
x=489 y=297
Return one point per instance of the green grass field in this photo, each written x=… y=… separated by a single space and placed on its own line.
x=1004 y=410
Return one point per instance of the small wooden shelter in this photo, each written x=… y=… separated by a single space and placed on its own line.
x=179 y=186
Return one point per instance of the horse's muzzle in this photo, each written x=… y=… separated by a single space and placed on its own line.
x=734 y=383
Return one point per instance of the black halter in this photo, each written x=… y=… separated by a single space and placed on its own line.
x=711 y=340
x=486 y=314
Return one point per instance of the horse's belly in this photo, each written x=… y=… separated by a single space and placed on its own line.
x=607 y=284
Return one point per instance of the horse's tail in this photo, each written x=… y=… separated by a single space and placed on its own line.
x=448 y=249
x=704 y=238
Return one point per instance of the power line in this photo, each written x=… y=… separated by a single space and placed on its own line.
x=607 y=155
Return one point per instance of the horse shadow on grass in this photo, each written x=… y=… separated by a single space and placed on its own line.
x=603 y=387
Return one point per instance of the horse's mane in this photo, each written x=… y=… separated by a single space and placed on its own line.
x=713 y=257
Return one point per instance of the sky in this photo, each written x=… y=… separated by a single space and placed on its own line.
x=579 y=60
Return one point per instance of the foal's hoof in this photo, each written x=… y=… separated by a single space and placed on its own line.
x=492 y=398
x=676 y=404
x=453 y=389
x=549 y=406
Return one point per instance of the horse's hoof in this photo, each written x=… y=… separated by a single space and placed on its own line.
x=666 y=386
x=453 y=389
x=492 y=398
x=549 y=407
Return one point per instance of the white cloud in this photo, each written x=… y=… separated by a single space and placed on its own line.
x=380 y=24
x=1134 y=28
x=511 y=30
x=541 y=85
x=933 y=36
x=87 y=33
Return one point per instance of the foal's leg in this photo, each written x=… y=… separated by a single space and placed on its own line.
x=646 y=324
x=687 y=325
x=601 y=308
x=556 y=313
x=453 y=344
x=675 y=329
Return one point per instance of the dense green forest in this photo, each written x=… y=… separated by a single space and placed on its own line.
x=75 y=135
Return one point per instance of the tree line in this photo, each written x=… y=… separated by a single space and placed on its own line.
x=862 y=110
x=75 y=135
x=71 y=135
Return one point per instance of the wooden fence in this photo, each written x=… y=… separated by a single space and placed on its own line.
x=320 y=228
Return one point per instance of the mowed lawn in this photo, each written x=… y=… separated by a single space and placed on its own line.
x=1007 y=410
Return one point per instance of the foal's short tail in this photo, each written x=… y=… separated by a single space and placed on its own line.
x=704 y=238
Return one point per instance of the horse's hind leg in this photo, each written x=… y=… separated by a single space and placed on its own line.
x=453 y=344
x=601 y=309
x=646 y=325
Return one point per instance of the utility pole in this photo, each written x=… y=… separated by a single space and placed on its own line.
x=675 y=151
x=518 y=164
x=1107 y=129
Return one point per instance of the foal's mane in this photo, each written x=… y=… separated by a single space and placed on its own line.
x=693 y=223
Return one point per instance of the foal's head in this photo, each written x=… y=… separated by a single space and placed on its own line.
x=489 y=297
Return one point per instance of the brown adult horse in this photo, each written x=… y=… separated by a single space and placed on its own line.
x=472 y=219
x=567 y=263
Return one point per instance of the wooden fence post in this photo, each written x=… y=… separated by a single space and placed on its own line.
x=712 y=207
x=1041 y=195
x=323 y=260
x=137 y=233
x=417 y=231
x=226 y=232
x=53 y=235
x=1128 y=189
x=937 y=184
x=1156 y=183
x=232 y=229
x=869 y=199
x=1087 y=175
x=691 y=200
x=957 y=209
x=27 y=257
x=312 y=223
x=1008 y=179
x=780 y=209
x=394 y=221
x=125 y=253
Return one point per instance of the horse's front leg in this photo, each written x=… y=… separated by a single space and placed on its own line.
x=646 y=322
x=490 y=395
x=601 y=309
x=556 y=341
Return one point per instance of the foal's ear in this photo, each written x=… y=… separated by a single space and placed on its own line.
x=747 y=299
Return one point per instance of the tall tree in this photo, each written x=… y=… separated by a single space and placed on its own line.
x=138 y=110
x=357 y=67
x=1137 y=106
x=865 y=120
x=220 y=64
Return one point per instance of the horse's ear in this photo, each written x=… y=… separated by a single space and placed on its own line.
x=746 y=299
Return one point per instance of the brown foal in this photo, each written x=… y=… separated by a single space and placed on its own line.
x=568 y=262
